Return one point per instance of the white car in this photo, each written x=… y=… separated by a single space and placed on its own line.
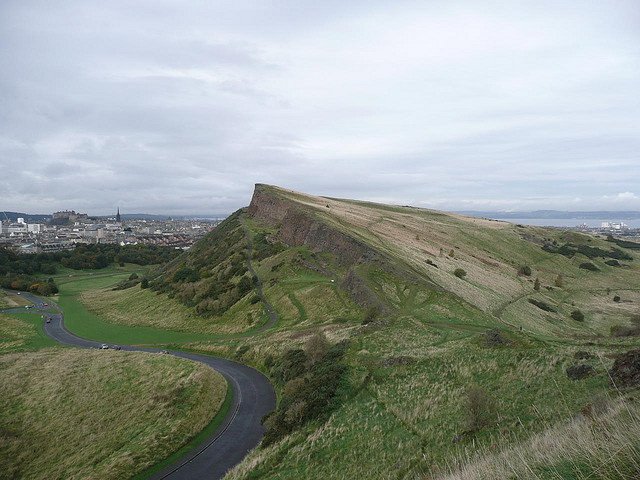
x=104 y=346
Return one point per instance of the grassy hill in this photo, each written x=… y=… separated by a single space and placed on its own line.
x=403 y=342
x=71 y=413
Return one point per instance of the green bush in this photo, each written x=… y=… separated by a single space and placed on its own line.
x=525 y=270
x=589 y=266
x=542 y=305
x=460 y=273
x=577 y=315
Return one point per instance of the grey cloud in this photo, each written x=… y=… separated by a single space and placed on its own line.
x=169 y=107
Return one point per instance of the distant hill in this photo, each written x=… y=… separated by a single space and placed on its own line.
x=28 y=217
x=555 y=214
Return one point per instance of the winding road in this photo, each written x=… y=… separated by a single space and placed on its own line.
x=241 y=430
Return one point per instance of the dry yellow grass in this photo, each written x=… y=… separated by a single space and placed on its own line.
x=70 y=413
x=602 y=445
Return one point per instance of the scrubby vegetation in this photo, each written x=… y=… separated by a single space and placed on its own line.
x=94 y=256
x=542 y=305
x=570 y=249
x=310 y=379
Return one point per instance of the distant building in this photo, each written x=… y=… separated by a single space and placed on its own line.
x=118 y=216
x=68 y=216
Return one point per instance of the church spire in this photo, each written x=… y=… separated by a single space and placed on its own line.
x=118 y=215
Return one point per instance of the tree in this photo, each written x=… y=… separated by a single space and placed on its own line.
x=460 y=273
x=144 y=283
x=536 y=285
x=559 y=281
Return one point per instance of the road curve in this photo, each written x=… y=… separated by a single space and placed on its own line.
x=241 y=430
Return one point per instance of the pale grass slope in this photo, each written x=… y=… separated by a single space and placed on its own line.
x=490 y=252
x=603 y=445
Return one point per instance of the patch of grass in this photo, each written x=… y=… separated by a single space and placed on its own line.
x=601 y=444
x=70 y=413
x=196 y=440
x=21 y=332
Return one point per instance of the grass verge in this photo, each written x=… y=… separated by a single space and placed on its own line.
x=208 y=430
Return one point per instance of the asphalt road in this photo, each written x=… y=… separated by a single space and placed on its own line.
x=241 y=431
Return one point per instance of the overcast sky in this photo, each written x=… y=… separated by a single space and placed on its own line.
x=180 y=107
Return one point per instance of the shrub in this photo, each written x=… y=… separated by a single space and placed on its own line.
x=559 y=281
x=494 y=338
x=460 y=273
x=536 y=285
x=244 y=286
x=480 y=409
x=185 y=274
x=542 y=305
x=589 y=266
x=133 y=276
x=525 y=270
x=144 y=283
x=616 y=298
x=371 y=314
x=578 y=372
x=308 y=395
x=577 y=315
x=613 y=263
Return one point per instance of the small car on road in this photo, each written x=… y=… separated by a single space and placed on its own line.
x=116 y=347
x=104 y=346
x=48 y=320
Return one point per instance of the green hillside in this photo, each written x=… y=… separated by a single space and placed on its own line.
x=405 y=342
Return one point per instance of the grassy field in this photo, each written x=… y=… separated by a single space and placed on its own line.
x=82 y=322
x=21 y=332
x=68 y=413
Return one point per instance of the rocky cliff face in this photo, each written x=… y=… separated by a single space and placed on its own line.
x=298 y=226
x=268 y=207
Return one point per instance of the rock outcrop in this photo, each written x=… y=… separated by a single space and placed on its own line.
x=299 y=226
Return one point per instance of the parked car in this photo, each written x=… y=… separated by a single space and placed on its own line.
x=116 y=347
x=164 y=351
x=104 y=346
x=48 y=320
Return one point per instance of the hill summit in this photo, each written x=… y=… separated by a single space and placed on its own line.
x=399 y=337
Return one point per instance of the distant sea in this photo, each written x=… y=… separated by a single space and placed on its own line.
x=568 y=222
